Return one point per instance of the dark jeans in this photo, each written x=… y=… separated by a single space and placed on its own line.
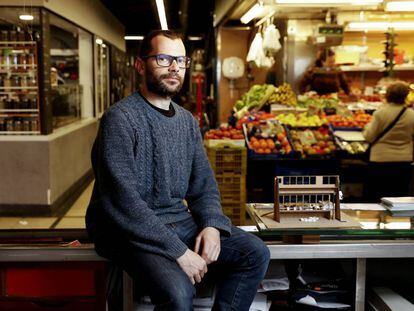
x=241 y=266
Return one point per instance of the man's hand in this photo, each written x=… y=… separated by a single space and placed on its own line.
x=209 y=241
x=193 y=265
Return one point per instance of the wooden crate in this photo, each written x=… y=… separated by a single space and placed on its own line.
x=228 y=160
x=233 y=196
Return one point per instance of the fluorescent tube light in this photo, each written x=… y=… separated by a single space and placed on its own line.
x=26 y=17
x=399 y=6
x=195 y=38
x=330 y=2
x=360 y=26
x=254 y=12
x=134 y=37
x=99 y=41
x=161 y=14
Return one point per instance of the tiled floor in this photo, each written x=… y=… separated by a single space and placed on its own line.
x=73 y=219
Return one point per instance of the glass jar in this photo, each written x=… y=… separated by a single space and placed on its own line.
x=18 y=125
x=4 y=36
x=13 y=35
x=21 y=36
x=16 y=81
x=23 y=60
x=9 y=125
x=26 y=125
x=34 y=126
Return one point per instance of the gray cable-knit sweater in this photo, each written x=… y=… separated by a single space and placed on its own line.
x=145 y=165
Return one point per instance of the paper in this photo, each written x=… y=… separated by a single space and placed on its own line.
x=310 y=301
x=350 y=135
x=362 y=207
x=249 y=228
x=260 y=303
x=274 y=284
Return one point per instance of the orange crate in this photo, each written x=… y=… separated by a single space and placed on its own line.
x=228 y=160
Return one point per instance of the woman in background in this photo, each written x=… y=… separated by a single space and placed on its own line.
x=324 y=76
x=391 y=156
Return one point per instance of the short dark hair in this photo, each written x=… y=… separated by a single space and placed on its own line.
x=146 y=46
x=322 y=55
x=397 y=93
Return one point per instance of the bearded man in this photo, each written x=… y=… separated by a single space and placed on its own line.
x=155 y=209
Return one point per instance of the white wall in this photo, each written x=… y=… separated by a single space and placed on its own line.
x=89 y=14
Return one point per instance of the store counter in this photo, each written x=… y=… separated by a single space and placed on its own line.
x=41 y=172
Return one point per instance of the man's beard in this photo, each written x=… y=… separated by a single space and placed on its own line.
x=157 y=86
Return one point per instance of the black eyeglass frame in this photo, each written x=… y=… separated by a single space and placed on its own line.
x=171 y=59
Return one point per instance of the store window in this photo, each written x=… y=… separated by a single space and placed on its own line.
x=19 y=90
x=71 y=72
x=101 y=76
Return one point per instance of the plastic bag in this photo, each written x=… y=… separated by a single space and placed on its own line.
x=271 y=38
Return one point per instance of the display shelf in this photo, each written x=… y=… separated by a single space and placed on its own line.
x=26 y=115
x=19 y=132
x=18 y=92
x=18 y=88
x=17 y=43
x=18 y=110
x=380 y=68
x=9 y=67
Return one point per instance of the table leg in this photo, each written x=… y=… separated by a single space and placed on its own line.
x=360 y=284
x=128 y=299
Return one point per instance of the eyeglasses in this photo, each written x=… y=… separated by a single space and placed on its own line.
x=164 y=60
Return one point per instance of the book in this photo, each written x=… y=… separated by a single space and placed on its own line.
x=398 y=203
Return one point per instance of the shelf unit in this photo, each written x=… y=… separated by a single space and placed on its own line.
x=361 y=68
x=19 y=88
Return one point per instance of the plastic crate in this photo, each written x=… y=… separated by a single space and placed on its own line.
x=236 y=212
x=232 y=189
x=228 y=160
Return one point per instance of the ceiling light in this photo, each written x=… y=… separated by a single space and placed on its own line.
x=399 y=6
x=134 y=37
x=26 y=17
x=330 y=2
x=99 y=41
x=161 y=14
x=195 y=38
x=254 y=12
x=361 y=26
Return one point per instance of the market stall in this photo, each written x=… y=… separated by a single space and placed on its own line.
x=311 y=86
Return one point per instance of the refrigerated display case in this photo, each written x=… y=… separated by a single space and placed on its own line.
x=19 y=88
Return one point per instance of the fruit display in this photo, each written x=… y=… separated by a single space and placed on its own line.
x=253 y=99
x=313 y=141
x=312 y=99
x=355 y=147
x=254 y=117
x=224 y=132
x=410 y=98
x=268 y=138
x=302 y=119
x=283 y=95
x=371 y=98
x=356 y=120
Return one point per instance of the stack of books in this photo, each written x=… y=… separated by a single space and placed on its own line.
x=399 y=206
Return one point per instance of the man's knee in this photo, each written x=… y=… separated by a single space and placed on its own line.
x=260 y=252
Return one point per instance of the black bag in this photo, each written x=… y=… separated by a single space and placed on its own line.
x=385 y=131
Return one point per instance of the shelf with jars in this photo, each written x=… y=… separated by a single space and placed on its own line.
x=19 y=100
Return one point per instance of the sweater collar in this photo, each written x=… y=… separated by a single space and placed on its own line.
x=168 y=113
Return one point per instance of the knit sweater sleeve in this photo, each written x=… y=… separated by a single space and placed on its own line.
x=203 y=196
x=116 y=176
